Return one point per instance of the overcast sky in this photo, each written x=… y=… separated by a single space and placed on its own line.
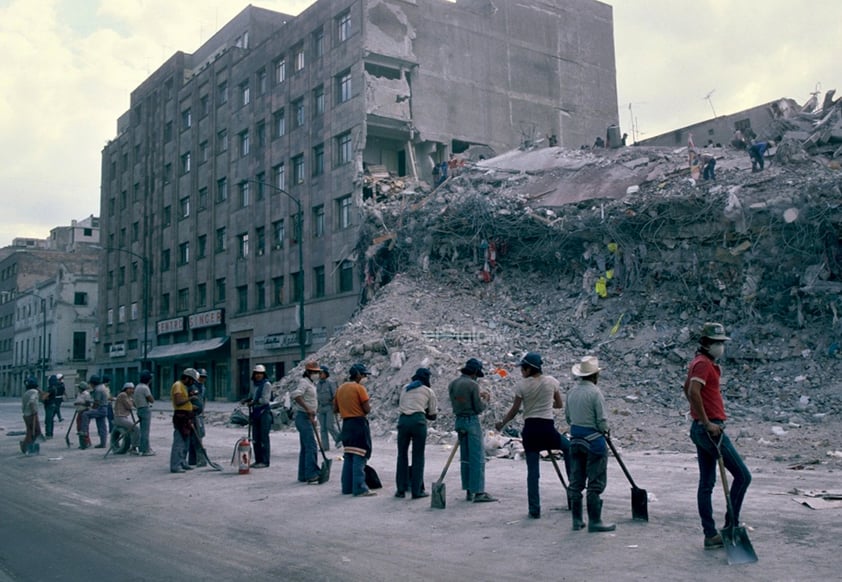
x=69 y=67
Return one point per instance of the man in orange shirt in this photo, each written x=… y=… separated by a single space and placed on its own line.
x=352 y=404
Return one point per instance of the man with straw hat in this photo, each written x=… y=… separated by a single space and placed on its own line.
x=585 y=412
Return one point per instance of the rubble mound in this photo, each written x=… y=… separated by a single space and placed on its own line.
x=507 y=257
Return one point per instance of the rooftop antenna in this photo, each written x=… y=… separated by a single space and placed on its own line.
x=710 y=102
x=635 y=130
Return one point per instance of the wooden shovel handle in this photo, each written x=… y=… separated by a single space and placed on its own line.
x=449 y=460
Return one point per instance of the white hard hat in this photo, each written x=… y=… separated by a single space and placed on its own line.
x=259 y=368
x=191 y=373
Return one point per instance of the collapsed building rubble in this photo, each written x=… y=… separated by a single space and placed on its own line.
x=621 y=254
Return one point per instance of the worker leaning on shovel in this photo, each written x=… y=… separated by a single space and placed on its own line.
x=708 y=411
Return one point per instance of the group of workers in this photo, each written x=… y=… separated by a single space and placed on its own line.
x=316 y=400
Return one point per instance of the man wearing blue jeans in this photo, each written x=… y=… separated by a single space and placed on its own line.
x=708 y=411
x=352 y=404
x=468 y=402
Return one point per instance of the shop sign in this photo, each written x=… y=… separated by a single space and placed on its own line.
x=206 y=319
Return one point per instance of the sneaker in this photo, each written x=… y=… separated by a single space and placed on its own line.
x=421 y=495
x=483 y=498
x=149 y=453
x=367 y=493
x=313 y=481
x=178 y=470
x=714 y=542
x=187 y=467
x=400 y=494
x=259 y=465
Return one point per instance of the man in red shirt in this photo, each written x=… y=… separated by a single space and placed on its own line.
x=708 y=411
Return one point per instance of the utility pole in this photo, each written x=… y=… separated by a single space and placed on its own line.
x=710 y=102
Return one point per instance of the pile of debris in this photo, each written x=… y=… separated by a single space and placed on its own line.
x=621 y=254
x=812 y=129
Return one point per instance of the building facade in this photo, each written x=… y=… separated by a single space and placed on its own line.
x=760 y=122
x=231 y=193
x=58 y=334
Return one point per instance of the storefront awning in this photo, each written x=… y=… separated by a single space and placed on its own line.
x=186 y=348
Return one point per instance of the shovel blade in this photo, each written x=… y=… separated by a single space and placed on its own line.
x=640 y=504
x=438 y=498
x=737 y=545
x=324 y=472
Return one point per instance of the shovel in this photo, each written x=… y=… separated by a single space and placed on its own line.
x=438 y=499
x=734 y=538
x=560 y=477
x=70 y=427
x=324 y=471
x=639 y=499
x=201 y=449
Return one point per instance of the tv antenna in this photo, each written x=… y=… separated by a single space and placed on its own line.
x=710 y=102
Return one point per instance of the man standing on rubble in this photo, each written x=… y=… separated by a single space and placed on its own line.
x=353 y=405
x=468 y=401
x=585 y=412
x=539 y=395
x=757 y=152
x=708 y=412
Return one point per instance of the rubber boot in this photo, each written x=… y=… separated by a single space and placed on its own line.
x=595 y=516
x=576 y=509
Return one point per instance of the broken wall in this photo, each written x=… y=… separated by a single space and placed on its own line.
x=500 y=73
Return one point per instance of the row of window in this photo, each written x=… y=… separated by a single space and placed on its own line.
x=280 y=295
x=274 y=237
x=22 y=348
x=343 y=154
x=343 y=90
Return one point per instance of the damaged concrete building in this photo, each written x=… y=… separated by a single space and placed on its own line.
x=230 y=194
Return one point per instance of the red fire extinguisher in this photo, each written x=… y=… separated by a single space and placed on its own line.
x=244 y=455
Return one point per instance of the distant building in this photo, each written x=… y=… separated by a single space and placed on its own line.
x=63 y=271
x=759 y=121
x=202 y=184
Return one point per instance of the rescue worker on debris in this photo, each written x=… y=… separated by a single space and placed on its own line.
x=708 y=412
x=260 y=397
x=305 y=402
x=468 y=401
x=182 y=420
x=539 y=394
x=353 y=405
x=585 y=412
x=757 y=153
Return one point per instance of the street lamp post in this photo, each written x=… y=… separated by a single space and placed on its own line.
x=146 y=276
x=43 y=342
x=299 y=219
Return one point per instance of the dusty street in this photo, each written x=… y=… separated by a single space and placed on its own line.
x=72 y=515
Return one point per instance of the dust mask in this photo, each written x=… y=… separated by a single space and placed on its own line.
x=716 y=350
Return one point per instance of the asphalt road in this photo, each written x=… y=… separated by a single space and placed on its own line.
x=72 y=515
